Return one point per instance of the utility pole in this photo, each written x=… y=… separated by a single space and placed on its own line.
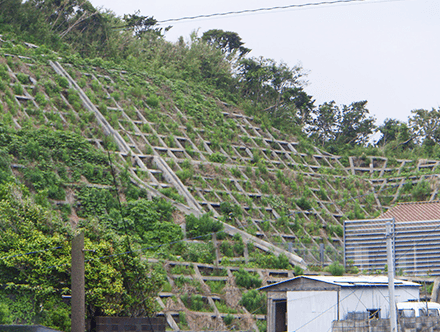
x=78 y=293
x=390 y=259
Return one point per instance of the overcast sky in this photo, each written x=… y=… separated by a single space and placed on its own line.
x=383 y=51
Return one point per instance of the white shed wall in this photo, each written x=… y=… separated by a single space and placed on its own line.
x=311 y=311
x=361 y=299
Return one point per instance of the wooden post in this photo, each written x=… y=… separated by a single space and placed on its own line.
x=78 y=285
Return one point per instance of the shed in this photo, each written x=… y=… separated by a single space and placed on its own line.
x=311 y=303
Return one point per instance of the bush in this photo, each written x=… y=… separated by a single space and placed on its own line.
x=183 y=324
x=201 y=226
x=281 y=262
x=216 y=286
x=152 y=100
x=254 y=302
x=199 y=252
x=421 y=191
x=246 y=280
x=262 y=325
x=297 y=270
x=217 y=157
x=5 y=315
x=193 y=302
x=23 y=78
x=228 y=319
x=63 y=82
x=226 y=249
x=336 y=269
x=303 y=203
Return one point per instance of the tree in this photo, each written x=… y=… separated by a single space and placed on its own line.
x=141 y=25
x=228 y=42
x=116 y=285
x=425 y=125
x=396 y=133
x=390 y=131
x=279 y=90
x=355 y=126
x=303 y=105
x=325 y=124
x=254 y=76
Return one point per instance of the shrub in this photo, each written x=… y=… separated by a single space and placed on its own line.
x=5 y=315
x=238 y=245
x=421 y=191
x=254 y=301
x=152 y=100
x=297 y=270
x=281 y=262
x=184 y=174
x=202 y=226
x=228 y=319
x=23 y=78
x=40 y=99
x=193 y=302
x=336 y=269
x=18 y=89
x=262 y=325
x=217 y=157
x=223 y=307
x=63 y=82
x=199 y=252
x=246 y=280
x=183 y=324
x=173 y=194
x=303 y=203
x=216 y=286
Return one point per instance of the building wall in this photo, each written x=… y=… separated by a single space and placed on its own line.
x=311 y=311
x=364 y=298
x=272 y=299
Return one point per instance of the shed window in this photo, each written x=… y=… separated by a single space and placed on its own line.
x=407 y=313
x=432 y=312
x=373 y=313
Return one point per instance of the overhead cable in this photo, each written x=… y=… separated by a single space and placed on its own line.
x=265 y=9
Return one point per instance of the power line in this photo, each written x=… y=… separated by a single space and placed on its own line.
x=30 y=253
x=141 y=249
x=266 y=9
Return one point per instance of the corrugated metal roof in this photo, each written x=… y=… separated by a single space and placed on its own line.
x=350 y=281
x=414 y=211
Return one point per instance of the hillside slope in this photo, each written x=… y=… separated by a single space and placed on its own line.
x=172 y=139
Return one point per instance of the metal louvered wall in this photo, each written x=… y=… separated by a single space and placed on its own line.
x=416 y=246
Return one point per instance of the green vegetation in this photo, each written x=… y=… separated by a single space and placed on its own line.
x=246 y=279
x=38 y=280
x=205 y=225
x=254 y=301
x=241 y=134
x=336 y=269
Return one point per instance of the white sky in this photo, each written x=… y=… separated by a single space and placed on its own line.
x=383 y=51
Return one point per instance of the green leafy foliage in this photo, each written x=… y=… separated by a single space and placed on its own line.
x=199 y=252
x=254 y=301
x=114 y=286
x=336 y=269
x=217 y=157
x=246 y=279
x=205 y=225
x=228 y=319
x=5 y=314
